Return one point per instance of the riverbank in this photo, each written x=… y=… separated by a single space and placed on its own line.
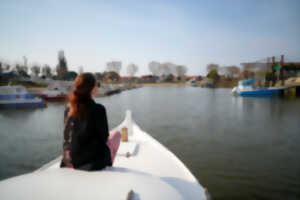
x=104 y=90
x=163 y=84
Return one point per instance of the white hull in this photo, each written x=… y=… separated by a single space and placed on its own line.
x=22 y=101
x=149 y=169
x=18 y=96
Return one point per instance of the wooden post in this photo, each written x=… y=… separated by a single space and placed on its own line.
x=282 y=75
x=273 y=72
x=268 y=69
x=124 y=134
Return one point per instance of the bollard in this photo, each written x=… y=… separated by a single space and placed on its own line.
x=124 y=134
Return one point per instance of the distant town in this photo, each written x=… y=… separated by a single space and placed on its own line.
x=274 y=71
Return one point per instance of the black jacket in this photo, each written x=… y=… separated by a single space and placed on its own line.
x=85 y=138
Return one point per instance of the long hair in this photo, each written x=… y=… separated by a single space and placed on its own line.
x=81 y=94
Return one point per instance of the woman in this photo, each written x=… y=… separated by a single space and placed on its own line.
x=87 y=143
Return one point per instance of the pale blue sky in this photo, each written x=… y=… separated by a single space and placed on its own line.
x=193 y=33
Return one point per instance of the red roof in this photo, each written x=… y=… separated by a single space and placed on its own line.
x=192 y=76
x=122 y=77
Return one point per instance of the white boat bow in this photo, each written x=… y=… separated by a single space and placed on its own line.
x=143 y=169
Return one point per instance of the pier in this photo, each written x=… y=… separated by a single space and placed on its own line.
x=277 y=73
x=292 y=87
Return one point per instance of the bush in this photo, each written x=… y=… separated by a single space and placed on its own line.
x=213 y=74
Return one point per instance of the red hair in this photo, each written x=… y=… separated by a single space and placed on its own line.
x=81 y=93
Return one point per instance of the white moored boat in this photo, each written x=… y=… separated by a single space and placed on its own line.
x=55 y=92
x=246 y=88
x=144 y=169
x=18 y=96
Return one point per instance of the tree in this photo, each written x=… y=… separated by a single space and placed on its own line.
x=24 y=69
x=62 y=67
x=213 y=74
x=6 y=67
x=211 y=67
x=154 y=68
x=111 y=76
x=17 y=68
x=231 y=71
x=181 y=70
x=132 y=69
x=1 y=67
x=166 y=68
x=46 y=71
x=169 y=78
x=70 y=76
x=35 y=69
x=99 y=76
x=114 y=66
x=80 y=70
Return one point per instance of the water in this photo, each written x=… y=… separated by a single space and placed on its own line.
x=238 y=148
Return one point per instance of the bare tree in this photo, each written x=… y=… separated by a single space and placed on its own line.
x=24 y=69
x=54 y=71
x=154 y=68
x=132 y=69
x=114 y=66
x=6 y=67
x=181 y=70
x=18 y=68
x=46 y=71
x=25 y=61
x=80 y=70
x=166 y=68
x=35 y=69
x=170 y=68
x=161 y=70
x=231 y=71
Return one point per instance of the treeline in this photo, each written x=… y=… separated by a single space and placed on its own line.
x=60 y=72
x=111 y=73
x=214 y=71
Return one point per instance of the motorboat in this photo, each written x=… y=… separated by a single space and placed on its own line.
x=54 y=93
x=246 y=88
x=143 y=169
x=18 y=96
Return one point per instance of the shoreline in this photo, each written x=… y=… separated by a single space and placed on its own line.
x=154 y=85
x=163 y=84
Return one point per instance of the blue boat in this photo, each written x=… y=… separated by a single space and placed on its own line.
x=18 y=96
x=245 y=88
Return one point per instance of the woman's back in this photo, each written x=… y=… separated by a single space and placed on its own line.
x=85 y=135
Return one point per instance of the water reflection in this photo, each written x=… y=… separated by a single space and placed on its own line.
x=243 y=148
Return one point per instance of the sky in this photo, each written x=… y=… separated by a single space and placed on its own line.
x=190 y=33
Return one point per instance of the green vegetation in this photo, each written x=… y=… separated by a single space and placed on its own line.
x=213 y=74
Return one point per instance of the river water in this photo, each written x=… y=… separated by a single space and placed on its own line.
x=238 y=148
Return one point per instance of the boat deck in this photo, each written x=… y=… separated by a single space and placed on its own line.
x=142 y=165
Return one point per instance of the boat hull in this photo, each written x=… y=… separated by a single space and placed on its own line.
x=23 y=104
x=246 y=88
x=54 y=98
x=262 y=92
x=17 y=97
x=142 y=165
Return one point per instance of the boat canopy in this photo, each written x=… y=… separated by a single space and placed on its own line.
x=12 y=90
x=249 y=82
